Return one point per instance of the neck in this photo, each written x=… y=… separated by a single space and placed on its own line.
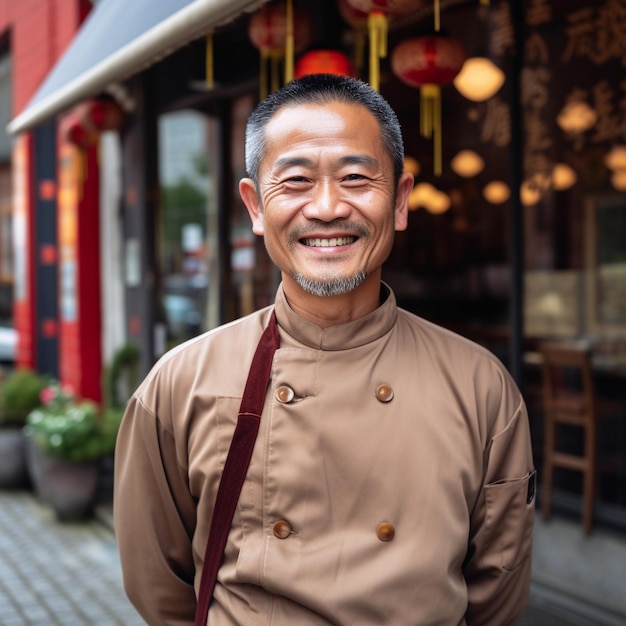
x=326 y=311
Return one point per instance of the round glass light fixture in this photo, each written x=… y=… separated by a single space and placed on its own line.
x=529 y=193
x=411 y=165
x=576 y=117
x=616 y=158
x=479 y=79
x=420 y=195
x=618 y=180
x=428 y=196
x=439 y=203
x=467 y=163
x=496 y=192
x=563 y=177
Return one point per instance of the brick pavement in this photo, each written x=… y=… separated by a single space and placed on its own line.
x=61 y=574
x=68 y=574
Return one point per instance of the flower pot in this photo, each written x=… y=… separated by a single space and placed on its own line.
x=13 y=469
x=68 y=487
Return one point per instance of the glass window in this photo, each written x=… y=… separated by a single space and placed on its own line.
x=187 y=232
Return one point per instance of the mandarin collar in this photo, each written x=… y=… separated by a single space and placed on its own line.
x=342 y=336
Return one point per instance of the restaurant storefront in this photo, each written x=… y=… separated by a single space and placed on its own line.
x=517 y=232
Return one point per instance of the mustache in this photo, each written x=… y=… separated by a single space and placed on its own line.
x=331 y=228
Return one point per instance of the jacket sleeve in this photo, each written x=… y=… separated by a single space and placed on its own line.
x=154 y=516
x=497 y=568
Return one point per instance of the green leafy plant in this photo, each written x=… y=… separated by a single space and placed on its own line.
x=71 y=428
x=19 y=395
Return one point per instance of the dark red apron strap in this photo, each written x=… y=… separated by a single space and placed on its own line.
x=236 y=466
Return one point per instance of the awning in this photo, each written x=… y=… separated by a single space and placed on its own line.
x=118 y=39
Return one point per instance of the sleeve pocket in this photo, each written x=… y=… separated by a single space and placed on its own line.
x=510 y=517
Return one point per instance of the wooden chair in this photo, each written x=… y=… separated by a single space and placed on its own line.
x=569 y=399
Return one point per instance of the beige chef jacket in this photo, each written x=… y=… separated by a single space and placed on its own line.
x=393 y=487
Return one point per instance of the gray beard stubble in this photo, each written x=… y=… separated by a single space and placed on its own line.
x=335 y=287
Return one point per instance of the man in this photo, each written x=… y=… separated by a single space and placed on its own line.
x=391 y=481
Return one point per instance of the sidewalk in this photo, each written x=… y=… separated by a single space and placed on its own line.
x=57 y=574
x=580 y=577
x=60 y=574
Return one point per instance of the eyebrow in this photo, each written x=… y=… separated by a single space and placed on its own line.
x=353 y=159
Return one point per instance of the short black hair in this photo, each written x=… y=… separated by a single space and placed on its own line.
x=324 y=89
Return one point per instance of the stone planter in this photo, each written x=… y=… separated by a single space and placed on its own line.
x=70 y=488
x=13 y=468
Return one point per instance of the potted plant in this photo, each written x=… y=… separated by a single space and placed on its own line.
x=19 y=395
x=67 y=438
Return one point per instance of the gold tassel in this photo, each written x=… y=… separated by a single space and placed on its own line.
x=263 y=82
x=377 y=25
x=269 y=73
x=437 y=16
x=430 y=121
x=275 y=56
x=209 y=77
x=289 y=43
x=359 y=48
x=484 y=2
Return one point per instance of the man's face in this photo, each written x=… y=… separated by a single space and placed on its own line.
x=326 y=205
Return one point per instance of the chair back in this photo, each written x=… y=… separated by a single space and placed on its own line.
x=567 y=378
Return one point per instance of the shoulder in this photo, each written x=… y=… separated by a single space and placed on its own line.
x=459 y=368
x=215 y=358
x=444 y=342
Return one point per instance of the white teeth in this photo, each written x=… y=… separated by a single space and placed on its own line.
x=326 y=243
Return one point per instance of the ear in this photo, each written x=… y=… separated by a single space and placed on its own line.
x=247 y=191
x=401 y=212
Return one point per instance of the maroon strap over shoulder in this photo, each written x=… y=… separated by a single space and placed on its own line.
x=236 y=466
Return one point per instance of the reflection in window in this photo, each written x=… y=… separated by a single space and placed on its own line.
x=186 y=234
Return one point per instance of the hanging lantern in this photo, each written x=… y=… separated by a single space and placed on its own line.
x=391 y=7
x=377 y=24
x=496 y=192
x=563 y=176
x=323 y=62
x=429 y=62
x=278 y=31
x=479 y=79
x=467 y=163
x=82 y=125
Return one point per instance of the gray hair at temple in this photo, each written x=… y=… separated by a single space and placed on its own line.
x=324 y=89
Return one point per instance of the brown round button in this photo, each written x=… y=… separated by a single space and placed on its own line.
x=281 y=529
x=384 y=393
x=284 y=394
x=385 y=531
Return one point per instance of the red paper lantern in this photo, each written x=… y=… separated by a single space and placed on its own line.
x=323 y=62
x=391 y=7
x=377 y=25
x=428 y=60
x=278 y=31
x=428 y=63
x=84 y=123
x=267 y=28
x=352 y=15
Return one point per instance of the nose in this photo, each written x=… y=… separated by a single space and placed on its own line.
x=326 y=202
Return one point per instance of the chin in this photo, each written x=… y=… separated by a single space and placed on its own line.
x=331 y=286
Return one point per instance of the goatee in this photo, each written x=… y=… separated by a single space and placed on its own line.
x=333 y=287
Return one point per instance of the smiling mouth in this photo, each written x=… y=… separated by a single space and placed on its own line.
x=317 y=242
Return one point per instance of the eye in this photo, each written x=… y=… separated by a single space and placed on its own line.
x=355 y=178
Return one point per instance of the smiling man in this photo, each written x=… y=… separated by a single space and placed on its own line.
x=391 y=481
